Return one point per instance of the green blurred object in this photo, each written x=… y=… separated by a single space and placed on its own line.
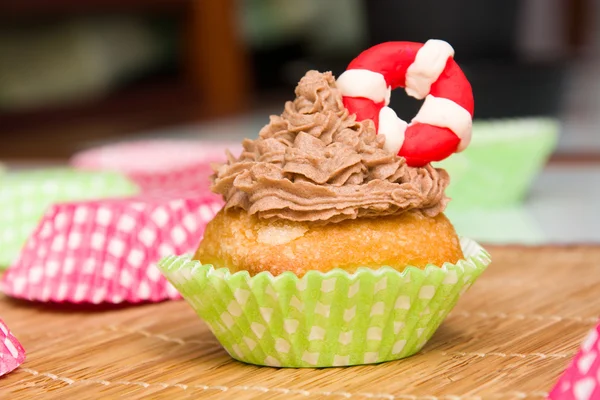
x=25 y=196
x=498 y=167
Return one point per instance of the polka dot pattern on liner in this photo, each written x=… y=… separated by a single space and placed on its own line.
x=581 y=380
x=12 y=353
x=106 y=251
x=160 y=164
x=324 y=319
x=25 y=196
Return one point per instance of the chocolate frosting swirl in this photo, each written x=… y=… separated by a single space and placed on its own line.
x=316 y=163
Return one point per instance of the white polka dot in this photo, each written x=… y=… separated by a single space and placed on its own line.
x=68 y=265
x=398 y=346
x=126 y=223
x=451 y=278
x=103 y=216
x=585 y=362
x=52 y=268
x=227 y=320
x=310 y=358
x=381 y=285
x=301 y=284
x=258 y=329
x=370 y=357
x=178 y=235
x=234 y=309
x=328 y=285
x=589 y=341
x=378 y=309
x=61 y=294
x=116 y=247
x=125 y=278
x=237 y=351
x=80 y=292
x=98 y=295
x=297 y=304
x=97 y=241
x=108 y=270
x=241 y=296
x=322 y=309
x=271 y=292
x=349 y=313
x=160 y=216
x=266 y=313
x=11 y=349
x=81 y=215
x=190 y=223
x=250 y=343
x=398 y=327
x=165 y=250
x=427 y=292
x=316 y=333
x=135 y=258
x=352 y=290
x=74 y=240
x=345 y=338
x=206 y=213
x=374 y=333
x=272 y=362
x=58 y=244
x=36 y=274
x=403 y=303
x=584 y=388
x=290 y=325
x=282 y=345
x=60 y=220
x=147 y=236
x=340 y=361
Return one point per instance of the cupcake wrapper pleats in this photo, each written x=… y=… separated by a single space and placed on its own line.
x=324 y=319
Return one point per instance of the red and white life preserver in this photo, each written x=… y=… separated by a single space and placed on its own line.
x=426 y=71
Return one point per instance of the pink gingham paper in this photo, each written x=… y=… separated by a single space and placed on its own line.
x=581 y=380
x=105 y=251
x=160 y=164
x=12 y=353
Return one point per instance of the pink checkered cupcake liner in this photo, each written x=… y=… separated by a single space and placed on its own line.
x=581 y=379
x=12 y=353
x=160 y=164
x=106 y=251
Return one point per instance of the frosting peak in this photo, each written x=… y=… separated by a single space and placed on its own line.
x=316 y=163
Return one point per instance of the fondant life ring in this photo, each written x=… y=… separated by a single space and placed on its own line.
x=426 y=71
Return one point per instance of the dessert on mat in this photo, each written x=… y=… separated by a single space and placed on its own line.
x=332 y=248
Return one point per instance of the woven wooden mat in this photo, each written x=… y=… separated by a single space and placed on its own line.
x=510 y=337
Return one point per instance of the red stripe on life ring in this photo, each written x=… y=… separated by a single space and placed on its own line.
x=391 y=59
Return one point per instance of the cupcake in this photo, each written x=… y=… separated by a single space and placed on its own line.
x=332 y=248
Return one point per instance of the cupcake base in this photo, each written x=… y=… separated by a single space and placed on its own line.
x=325 y=319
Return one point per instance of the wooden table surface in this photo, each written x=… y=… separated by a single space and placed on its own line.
x=509 y=337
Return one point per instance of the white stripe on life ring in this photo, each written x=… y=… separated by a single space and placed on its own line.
x=429 y=63
x=438 y=111
x=393 y=128
x=364 y=83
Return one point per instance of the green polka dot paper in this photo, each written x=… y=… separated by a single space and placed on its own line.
x=25 y=196
x=324 y=319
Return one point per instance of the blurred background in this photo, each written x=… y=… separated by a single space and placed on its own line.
x=76 y=74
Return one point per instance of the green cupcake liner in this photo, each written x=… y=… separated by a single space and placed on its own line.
x=324 y=319
x=498 y=167
x=25 y=196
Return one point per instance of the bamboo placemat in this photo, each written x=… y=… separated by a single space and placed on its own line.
x=510 y=337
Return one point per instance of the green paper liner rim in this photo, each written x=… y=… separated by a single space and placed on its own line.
x=324 y=319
